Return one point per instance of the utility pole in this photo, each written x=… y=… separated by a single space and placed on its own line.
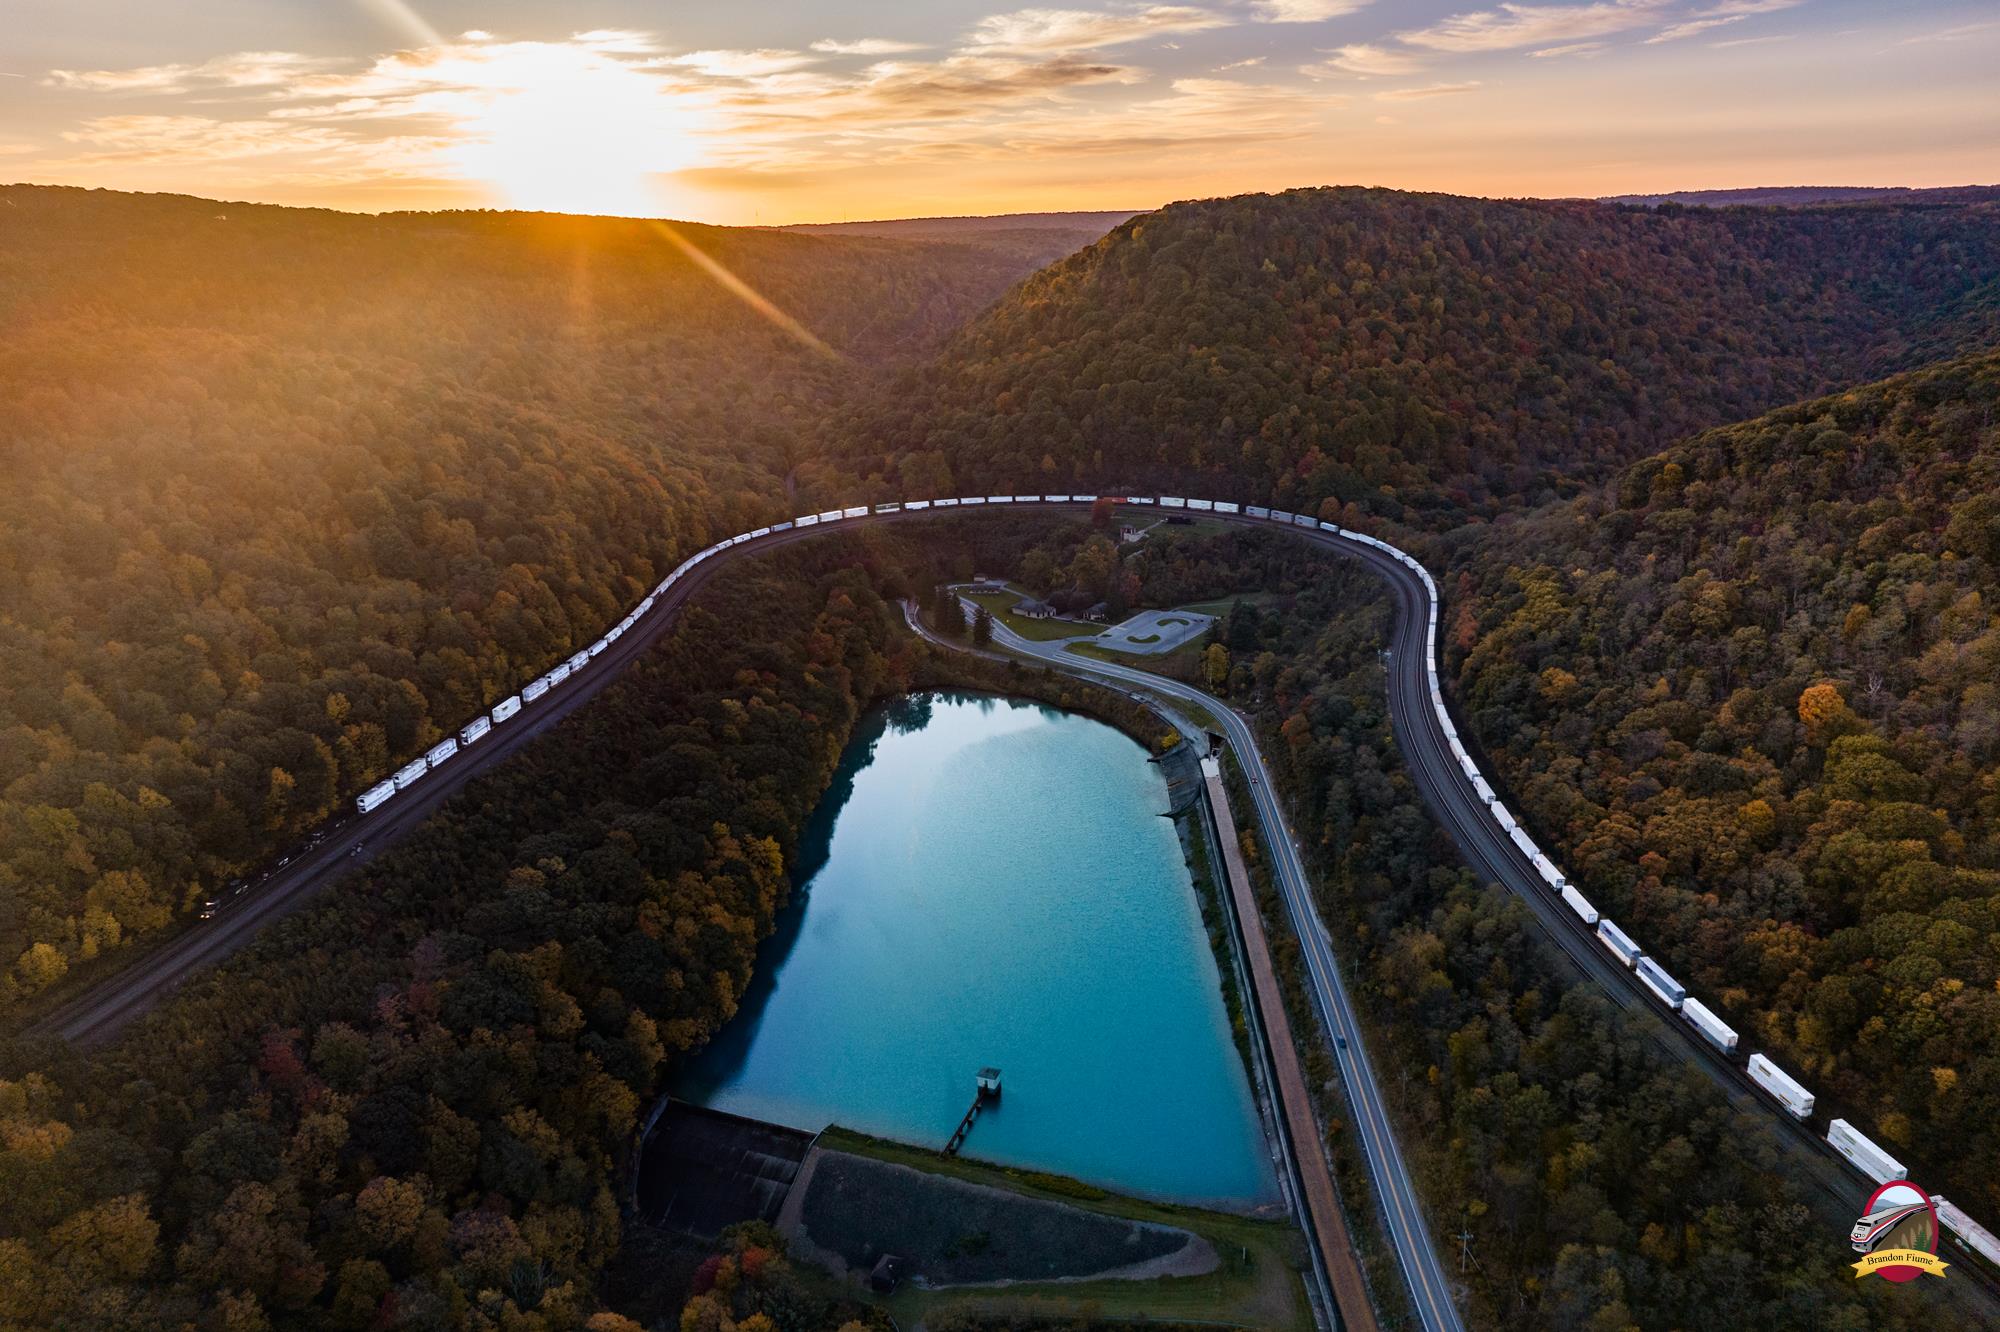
x=1465 y=1245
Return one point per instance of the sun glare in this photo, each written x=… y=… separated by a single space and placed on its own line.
x=570 y=130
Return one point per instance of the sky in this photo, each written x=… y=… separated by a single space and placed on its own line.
x=781 y=111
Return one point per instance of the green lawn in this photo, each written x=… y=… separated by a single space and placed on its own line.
x=1221 y=605
x=1001 y=605
x=1257 y=1284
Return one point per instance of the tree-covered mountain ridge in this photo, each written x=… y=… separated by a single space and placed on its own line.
x=1422 y=356
x=293 y=493
x=1751 y=691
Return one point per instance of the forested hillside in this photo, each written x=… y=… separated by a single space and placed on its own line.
x=1753 y=694
x=1421 y=356
x=290 y=494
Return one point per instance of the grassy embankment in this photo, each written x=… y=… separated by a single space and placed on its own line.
x=1256 y=1285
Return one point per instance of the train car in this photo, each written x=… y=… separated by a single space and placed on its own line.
x=1869 y=1159
x=1655 y=978
x=1620 y=943
x=855 y=511
x=1139 y=499
x=1968 y=1232
x=1304 y=520
x=999 y=499
x=1205 y=506
x=1257 y=511
x=598 y=646
x=757 y=532
x=1172 y=502
x=1580 y=904
x=506 y=708
x=1503 y=816
x=893 y=506
x=1795 y=1099
x=1083 y=499
x=1798 y=1102
x=1551 y=876
x=1280 y=516
x=534 y=689
x=410 y=774
x=1523 y=841
x=375 y=796
x=1228 y=506
x=967 y=501
x=1480 y=787
x=1712 y=1028
x=1056 y=499
x=560 y=674
x=944 y=504
x=474 y=730
x=1027 y=499
x=806 y=520
x=785 y=526
x=916 y=504
x=579 y=661
x=831 y=516
x=1333 y=528
x=441 y=751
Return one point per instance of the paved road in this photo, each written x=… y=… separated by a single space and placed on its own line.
x=1403 y=1215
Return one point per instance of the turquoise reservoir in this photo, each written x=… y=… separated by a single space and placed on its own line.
x=990 y=882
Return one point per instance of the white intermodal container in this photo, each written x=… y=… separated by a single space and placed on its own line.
x=1520 y=837
x=1798 y=1102
x=560 y=674
x=1480 y=787
x=1257 y=511
x=1869 y=1159
x=1969 y=1232
x=916 y=504
x=1656 y=979
x=1713 y=1029
x=1331 y=527
x=410 y=774
x=966 y=501
x=534 y=689
x=1205 y=506
x=506 y=708
x=1083 y=499
x=1304 y=520
x=440 y=752
x=1620 y=943
x=806 y=520
x=1057 y=499
x=1580 y=904
x=1228 y=506
x=830 y=515
x=1027 y=499
x=1503 y=817
x=376 y=796
x=474 y=730
x=1172 y=502
x=893 y=506
x=999 y=499
x=1550 y=874
x=855 y=511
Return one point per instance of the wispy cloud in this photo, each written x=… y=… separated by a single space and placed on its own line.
x=1580 y=50
x=1427 y=92
x=865 y=46
x=1368 y=61
x=242 y=70
x=1054 y=31
x=1752 y=41
x=740 y=64
x=1953 y=34
x=1517 y=25
x=1304 y=11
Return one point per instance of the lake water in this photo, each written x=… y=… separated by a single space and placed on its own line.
x=991 y=882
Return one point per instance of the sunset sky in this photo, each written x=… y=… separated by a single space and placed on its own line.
x=787 y=110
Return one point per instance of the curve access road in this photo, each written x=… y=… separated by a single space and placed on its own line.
x=1402 y=1212
x=108 y=1005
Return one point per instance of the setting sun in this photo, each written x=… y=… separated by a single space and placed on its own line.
x=564 y=127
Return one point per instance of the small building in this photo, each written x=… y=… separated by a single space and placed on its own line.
x=989 y=1084
x=1034 y=609
x=1098 y=613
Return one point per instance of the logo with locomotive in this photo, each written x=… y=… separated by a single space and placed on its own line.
x=1897 y=1234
